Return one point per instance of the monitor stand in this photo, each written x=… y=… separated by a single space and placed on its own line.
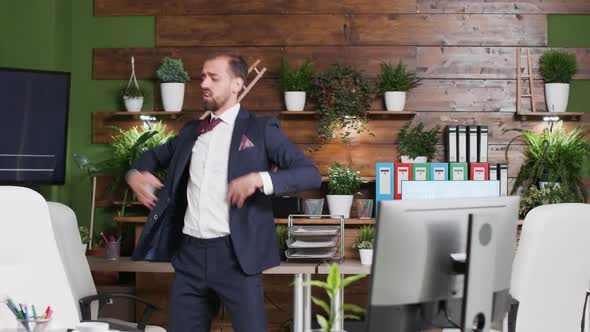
x=478 y=287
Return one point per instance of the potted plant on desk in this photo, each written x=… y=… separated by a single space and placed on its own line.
x=364 y=244
x=342 y=184
x=333 y=284
x=417 y=145
x=295 y=84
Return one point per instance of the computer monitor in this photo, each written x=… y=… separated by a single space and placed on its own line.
x=416 y=284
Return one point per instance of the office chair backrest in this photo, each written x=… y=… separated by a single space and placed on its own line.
x=72 y=252
x=551 y=269
x=31 y=269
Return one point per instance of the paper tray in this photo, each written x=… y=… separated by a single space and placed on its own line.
x=307 y=253
x=324 y=242
x=314 y=230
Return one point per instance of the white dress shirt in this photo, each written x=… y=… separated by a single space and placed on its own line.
x=207 y=213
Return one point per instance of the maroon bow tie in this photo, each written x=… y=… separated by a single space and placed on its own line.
x=207 y=124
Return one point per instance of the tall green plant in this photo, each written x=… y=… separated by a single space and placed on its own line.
x=298 y=79
x=398 y=79
x=344 y=97
x=414 y=141
x=343 y=180
x=553 y=156
x=172 y=70
x=558 y=66
x=333 y=284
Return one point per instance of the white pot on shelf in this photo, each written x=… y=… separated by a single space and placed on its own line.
x=419 y=159
x=295 y=100
x=172 y=96
x=395 y=100
x=340 y=204
x=556 y=96
x=133 y=104
x=366 y=256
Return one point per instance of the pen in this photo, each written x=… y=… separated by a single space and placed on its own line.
x=15 y=308
x=119 y=238
x=34 y=313
x=14 y=311
x=104 y=237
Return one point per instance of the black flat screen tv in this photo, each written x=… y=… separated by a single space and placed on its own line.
x=34 y=108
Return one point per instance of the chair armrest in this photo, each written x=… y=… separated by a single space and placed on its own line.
x=104 y=297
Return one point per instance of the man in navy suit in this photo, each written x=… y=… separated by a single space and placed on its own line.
x=213 y=215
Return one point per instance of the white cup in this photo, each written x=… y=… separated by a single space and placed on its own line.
x=92 y=327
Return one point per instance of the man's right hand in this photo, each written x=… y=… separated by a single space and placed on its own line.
x=143 y=184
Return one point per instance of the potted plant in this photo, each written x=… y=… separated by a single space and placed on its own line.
x=125 y=149
x=549 y=194
x=553 y=156
x=133 y=94
x=332 y=286
x=282 y=236
x=417 y=145
x=394 y=84
x=342 y=184
x=557 y=68
x=295 y=84
x=172 y=77
x=364 y=243
x=344 y=97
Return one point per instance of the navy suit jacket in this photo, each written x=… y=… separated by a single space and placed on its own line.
x=252 y=226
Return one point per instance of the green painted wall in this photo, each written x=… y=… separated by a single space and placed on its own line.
x=90 y=95
x=572 y=31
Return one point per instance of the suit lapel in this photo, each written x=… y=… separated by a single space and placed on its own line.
x=240 y=127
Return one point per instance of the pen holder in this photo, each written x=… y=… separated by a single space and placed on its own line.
x=112 y=250
x=34 y=325
x=364 y=208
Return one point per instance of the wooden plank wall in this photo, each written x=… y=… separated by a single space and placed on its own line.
x=464 y=50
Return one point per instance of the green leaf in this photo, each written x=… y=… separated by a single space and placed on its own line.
x=334 y=278
x=323 y=323
x=353 y=308
x=355 y=317
x=348 y=280
x=316 y=283
x=321 y=304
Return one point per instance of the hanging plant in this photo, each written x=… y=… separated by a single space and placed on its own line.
x=344 y=97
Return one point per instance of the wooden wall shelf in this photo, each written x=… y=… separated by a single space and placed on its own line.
x=538 y=116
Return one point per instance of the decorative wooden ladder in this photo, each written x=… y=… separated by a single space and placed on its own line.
x=519 y=82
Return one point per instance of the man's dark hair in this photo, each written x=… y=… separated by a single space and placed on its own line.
x=237 y=64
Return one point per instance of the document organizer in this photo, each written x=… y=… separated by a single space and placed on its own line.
x=313 y=240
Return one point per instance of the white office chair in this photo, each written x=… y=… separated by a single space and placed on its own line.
x=551 y=269
x=79 y=276
x=31 y=269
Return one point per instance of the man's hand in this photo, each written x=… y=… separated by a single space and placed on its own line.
x=243 y=187
x=143 y=184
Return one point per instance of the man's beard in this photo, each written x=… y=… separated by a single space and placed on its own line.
x=213 y=104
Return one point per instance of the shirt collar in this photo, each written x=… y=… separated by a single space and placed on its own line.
x=230 y=115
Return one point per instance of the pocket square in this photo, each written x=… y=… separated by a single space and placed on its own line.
x=245 y=143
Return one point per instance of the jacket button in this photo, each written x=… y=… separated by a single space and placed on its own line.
x=155 y=217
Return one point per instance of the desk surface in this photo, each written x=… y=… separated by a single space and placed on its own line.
x=125 y=264
x=348 y=266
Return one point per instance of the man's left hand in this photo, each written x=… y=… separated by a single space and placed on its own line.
x=243 y=187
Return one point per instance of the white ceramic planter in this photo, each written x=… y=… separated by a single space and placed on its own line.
x=340 y=204
x=395 y=100
x=366 y=256
x=172 y=96
x=406 y=159
x=133 y=104
x=556 y=96
x=295 y=100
